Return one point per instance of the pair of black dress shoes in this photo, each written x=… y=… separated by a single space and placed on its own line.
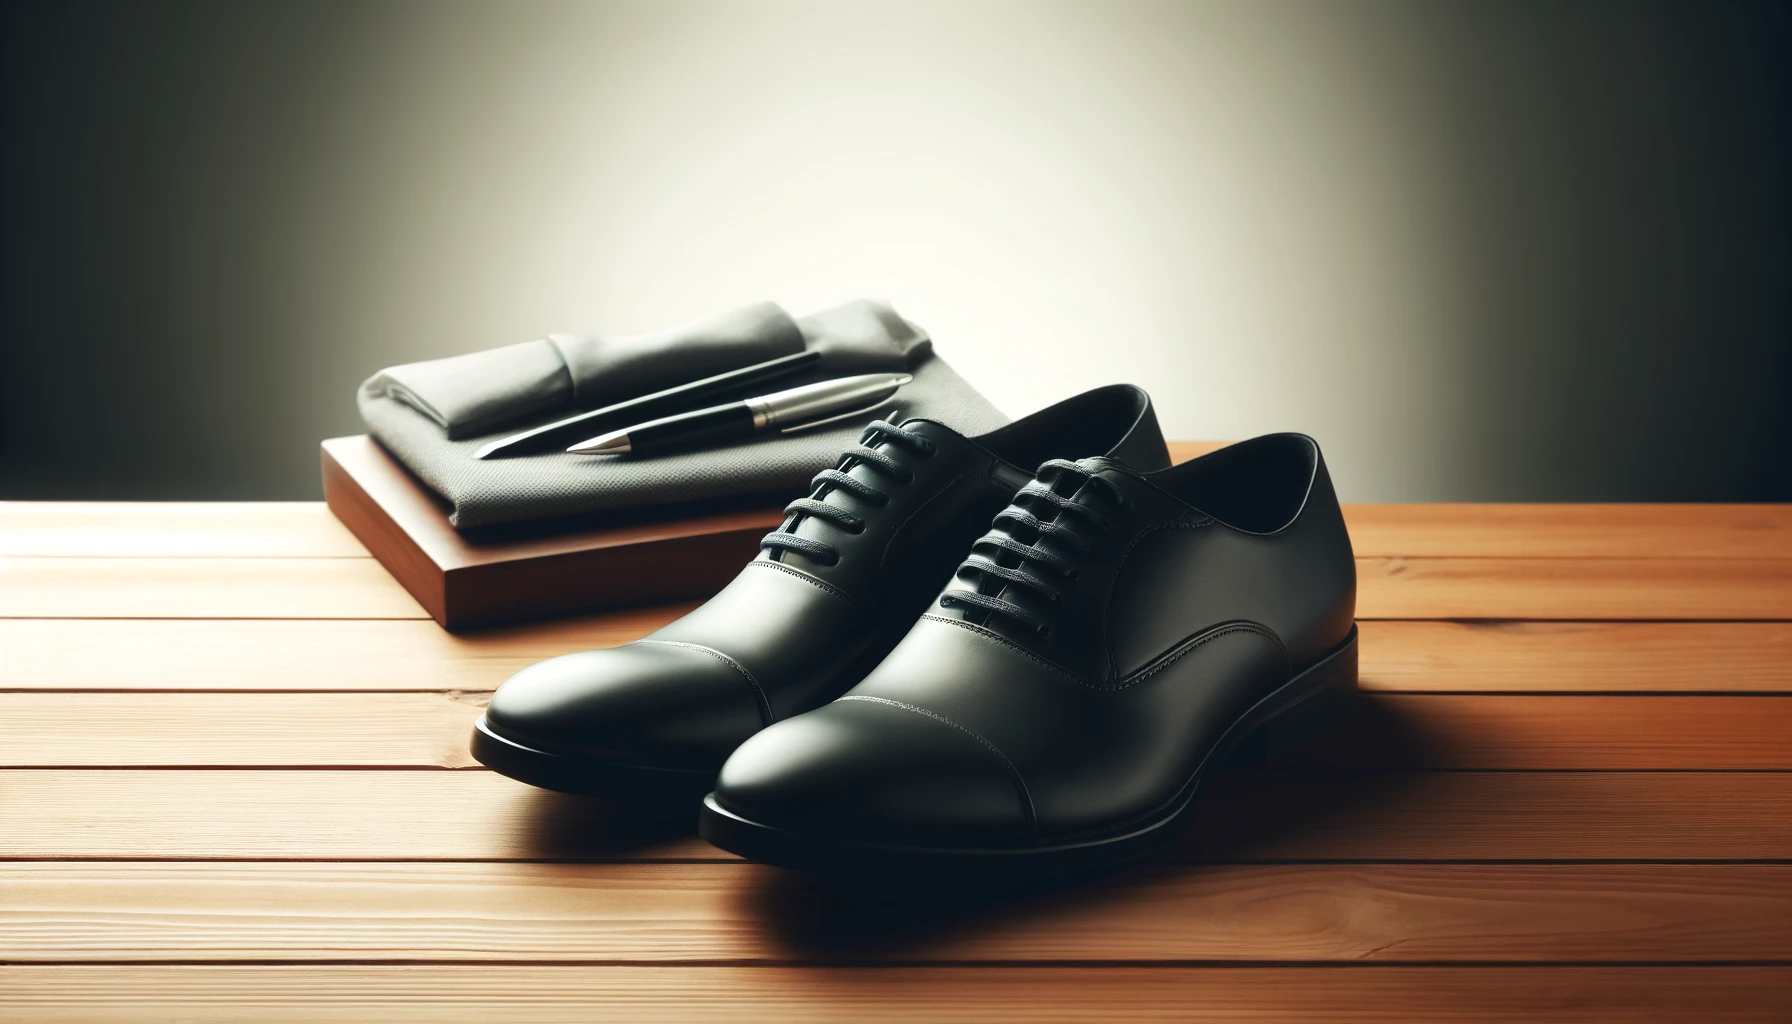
x=890 y=687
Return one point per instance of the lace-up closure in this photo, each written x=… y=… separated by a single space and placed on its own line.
x=864 y=454
x=1020 y=521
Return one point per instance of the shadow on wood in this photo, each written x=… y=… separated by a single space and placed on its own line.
x=562 y=826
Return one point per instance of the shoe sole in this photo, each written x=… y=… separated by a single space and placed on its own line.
x=1283 y=720
x=587 y=776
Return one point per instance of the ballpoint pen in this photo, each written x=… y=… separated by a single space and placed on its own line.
x=553 y=436
x=810 y=405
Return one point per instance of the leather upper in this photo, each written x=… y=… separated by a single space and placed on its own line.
x=793 y=631
x=1190 y=593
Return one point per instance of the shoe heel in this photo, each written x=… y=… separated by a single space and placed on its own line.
x=1312 y=703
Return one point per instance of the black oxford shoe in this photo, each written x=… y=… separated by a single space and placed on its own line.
x=1102 y=646
x=833 y=589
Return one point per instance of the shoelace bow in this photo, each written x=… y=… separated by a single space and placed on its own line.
x=864 y=454
x=1017 y=521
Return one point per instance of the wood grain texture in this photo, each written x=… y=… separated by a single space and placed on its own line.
x=1417 y=656
x=1494 y=816
x=1577 y=657
x=252 y=730
x=202 y=588
x=477 y=815
x=521 y=994
x=1384 y=731
x=165 y=529
x=431 y=730
x=530 y=571
x=307 y=529
x=200 y=654
x=739 y=912
x=1388 y=588
x=1574 y=588
x=1570 y=531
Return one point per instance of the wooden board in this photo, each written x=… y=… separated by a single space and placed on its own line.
x=1577 y=657
x=1387 y=588
x=307 y=529
x=1573 y=588
x=1410 y=656
x=202 y=588
x=165 y=529
x=1570 y=531
x=525 y=994
x=477 y=815
x=430 y=730
x=235 y=787
x=212 y=654
x=528 y=571
x=739 y=912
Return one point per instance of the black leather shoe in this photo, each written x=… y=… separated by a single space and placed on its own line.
x=1102 y=646
x=833 y=589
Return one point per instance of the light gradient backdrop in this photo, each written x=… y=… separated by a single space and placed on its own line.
x=1481 y=251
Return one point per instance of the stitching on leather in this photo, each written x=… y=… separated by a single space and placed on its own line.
x=765 y=704
x=806 y=578
x=1020 y=783
x=1107 y=612
x=1198 y=640
x=1016 y=648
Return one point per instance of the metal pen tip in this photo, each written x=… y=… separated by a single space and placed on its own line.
x=613 y=443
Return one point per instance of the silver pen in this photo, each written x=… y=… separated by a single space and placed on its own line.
x=811 y=405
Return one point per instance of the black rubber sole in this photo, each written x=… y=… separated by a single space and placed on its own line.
x=588 y=776
x=1283 y=720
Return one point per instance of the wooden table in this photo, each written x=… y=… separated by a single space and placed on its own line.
x=234 y=786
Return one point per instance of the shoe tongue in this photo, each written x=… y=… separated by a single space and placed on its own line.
x=1097 y=463
x=928 y=428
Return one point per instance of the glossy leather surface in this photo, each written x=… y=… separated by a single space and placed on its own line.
x=1176 y=621
x=793 y=631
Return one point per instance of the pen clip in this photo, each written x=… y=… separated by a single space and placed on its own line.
x=874 y=406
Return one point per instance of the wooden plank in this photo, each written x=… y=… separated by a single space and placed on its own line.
x=307 y=529
x=430 y=730
x=321 y=814
x=1438 y=657
x=1570 y=531
x=738 y=912
x=204 y=588
x=1496 y=732
x=1574 y=588
x=163 y=529
x=239 y=730
x=580 y=994
x=1494 y=816
x=1388 y=588
x=1585 y=657
x=478 y=815
x=199 y=654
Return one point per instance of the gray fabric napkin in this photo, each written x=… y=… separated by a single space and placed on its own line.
x=480 y=392
x=861 y=337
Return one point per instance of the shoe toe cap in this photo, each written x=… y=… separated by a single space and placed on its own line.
x=649 y=703
x=877 y=771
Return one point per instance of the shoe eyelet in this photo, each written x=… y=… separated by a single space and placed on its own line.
x=1043 y=632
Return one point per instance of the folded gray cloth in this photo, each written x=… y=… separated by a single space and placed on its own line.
x=858 y=338
x=482 y=391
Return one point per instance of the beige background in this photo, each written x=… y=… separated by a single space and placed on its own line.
x=1479 y=251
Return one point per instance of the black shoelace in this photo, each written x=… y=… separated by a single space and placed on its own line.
x=865 y=454
x=1018 y=532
